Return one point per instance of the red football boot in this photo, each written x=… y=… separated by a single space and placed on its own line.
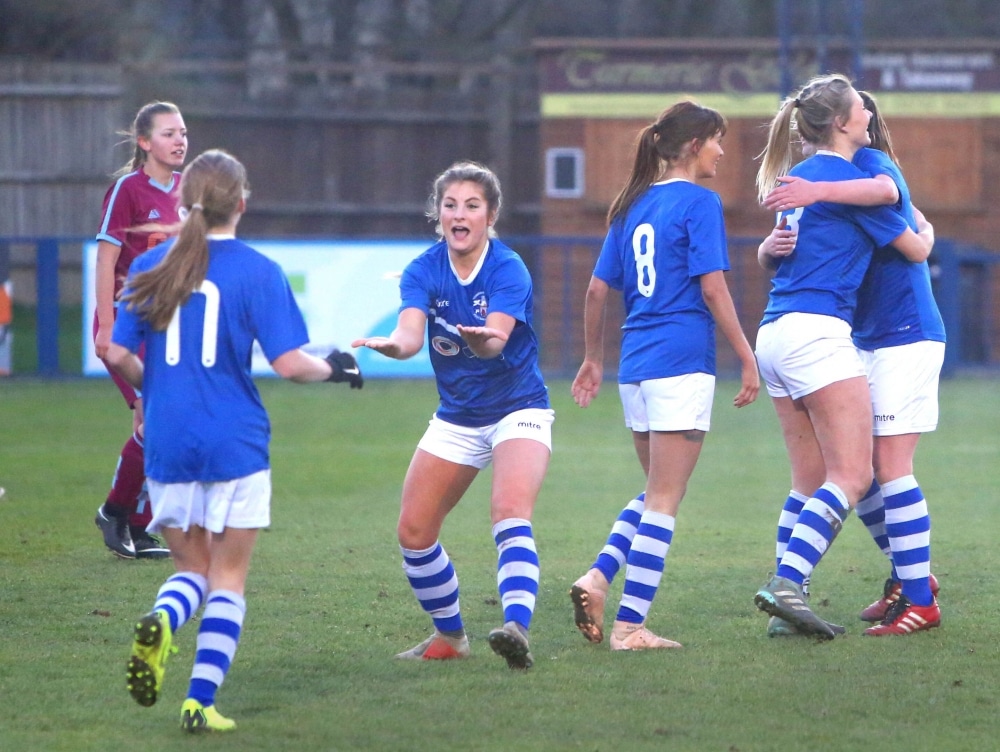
x=890 y=594
x=905 y=618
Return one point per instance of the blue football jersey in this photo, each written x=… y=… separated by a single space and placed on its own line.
x=834 y=247
x=204 y=417
x=896 y=305
x=672 y=234
x=477 y=392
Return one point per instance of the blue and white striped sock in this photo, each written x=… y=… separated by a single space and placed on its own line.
x=181 y=596
x=615 y=552
x=819 y=522
x=517 y=569
x=871 y=511
x=908 y=525
x=644 y=568
x=218 y=636
x=435 y=584
x=786 y=522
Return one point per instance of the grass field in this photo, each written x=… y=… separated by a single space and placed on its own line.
x=24 y=354
x=329 y=606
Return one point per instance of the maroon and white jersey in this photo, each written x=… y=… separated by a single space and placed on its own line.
x=136 y=200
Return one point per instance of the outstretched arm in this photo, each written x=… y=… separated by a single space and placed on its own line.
x=794 y=192
x=406 y=339
x=488 y=341
x=302 y=368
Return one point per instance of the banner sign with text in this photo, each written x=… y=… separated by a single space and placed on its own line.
x=617 y=79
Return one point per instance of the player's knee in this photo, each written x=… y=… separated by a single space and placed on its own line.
x=510 y=511
x=856 y=486
x=414 y=536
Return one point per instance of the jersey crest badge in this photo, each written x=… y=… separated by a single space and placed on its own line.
x=480 y=305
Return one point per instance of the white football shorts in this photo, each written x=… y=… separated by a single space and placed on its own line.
x=474 y=446
x=676 y=403
x=903 y=381
x=800 y=353
x=241 y=503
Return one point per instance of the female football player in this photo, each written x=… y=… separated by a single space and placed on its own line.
x=472 y=296
x=195 y=306
x=666 y=251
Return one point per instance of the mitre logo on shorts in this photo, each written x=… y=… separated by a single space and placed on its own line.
x=445 y=346
x=480 y=305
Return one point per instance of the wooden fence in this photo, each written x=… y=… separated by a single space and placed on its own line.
x=324 y=159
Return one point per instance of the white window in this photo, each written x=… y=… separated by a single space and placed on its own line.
x=564 y=172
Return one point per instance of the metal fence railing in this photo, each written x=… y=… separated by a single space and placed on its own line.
x=966 y=281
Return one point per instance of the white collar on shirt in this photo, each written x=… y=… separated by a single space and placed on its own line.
x=829 y=153
x=472 y=275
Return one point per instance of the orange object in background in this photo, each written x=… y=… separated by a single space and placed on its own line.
x=6 y=317
x=6 y=306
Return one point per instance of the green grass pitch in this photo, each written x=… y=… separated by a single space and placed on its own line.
x=328 y=605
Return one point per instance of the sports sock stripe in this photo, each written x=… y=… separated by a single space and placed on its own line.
x=218 y=637
x=786 y=522
x=615 y=552
x=871 y=512
x=646 y=562
x=181 y=596
x=435 y=585
x=819 y=522
x=517 y=569
x=908 y=525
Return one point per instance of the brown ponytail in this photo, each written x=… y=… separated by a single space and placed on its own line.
x=212 y=187
x=662 y=144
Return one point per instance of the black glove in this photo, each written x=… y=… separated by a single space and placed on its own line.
x=345 y=368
